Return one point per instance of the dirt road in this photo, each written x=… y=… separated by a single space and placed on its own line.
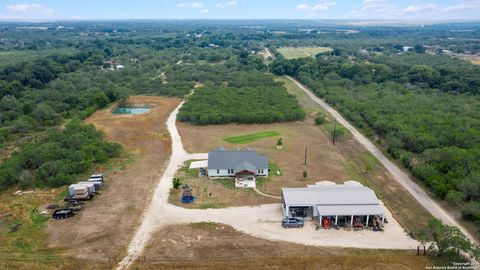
x=260 y=221
x=419 y=194
x=268 y=53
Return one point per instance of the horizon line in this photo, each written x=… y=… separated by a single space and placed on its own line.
x=411 y=21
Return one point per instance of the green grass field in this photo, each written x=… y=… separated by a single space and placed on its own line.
x=247 y=138
x=302 y=52
x=16 y=56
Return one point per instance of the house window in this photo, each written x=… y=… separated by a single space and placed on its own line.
x=230 y=171
x=258 y=171
x=218 y=171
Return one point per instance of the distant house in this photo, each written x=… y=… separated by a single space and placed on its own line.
x=244 y=165
x=119 y=67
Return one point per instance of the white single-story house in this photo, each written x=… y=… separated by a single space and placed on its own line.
x=244 y=165
x=342 y=205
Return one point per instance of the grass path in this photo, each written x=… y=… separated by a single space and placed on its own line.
x=248 y=138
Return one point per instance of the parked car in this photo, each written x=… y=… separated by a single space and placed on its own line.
x=289 y=222
x=63 y=213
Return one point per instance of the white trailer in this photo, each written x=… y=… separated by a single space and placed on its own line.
x=80 y=189
x=95 y=184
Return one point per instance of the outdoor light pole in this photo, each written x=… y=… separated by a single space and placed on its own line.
x=334 y=128
x=305 y=155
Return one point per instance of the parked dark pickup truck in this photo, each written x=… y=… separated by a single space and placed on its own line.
x=63 y=213
x=292 y=222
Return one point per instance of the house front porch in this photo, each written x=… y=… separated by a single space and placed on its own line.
x=245 y=179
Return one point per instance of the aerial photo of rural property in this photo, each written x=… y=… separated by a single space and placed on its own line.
x=240 y=134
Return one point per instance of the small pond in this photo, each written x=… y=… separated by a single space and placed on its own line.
x=131 y=110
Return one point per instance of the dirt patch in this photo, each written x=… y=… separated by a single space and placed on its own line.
x=108 y=223
x=218 y=246
x=474 y=59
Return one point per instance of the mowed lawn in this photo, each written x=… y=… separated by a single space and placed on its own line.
x=248 y=138
x=302 y=52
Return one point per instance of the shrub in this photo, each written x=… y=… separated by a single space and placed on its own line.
x=177 y=182
x=320 y=119
x=454 y=197
x=472 y=212
x=279 y=142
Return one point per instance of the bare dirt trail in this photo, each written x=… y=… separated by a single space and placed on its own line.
x=266 y=195
x=420 y=195
x=260 y=221
x=268 y=53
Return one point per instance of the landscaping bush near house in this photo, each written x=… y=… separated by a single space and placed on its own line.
x=279 y=142
x=176 y=182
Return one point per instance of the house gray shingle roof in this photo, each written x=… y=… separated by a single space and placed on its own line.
x=245 y=166
x=227 y=159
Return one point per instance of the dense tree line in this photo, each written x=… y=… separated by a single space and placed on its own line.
x=38 y=94
x=427 y=117
x=252 y=97
x=57 y=158
x=421 y=71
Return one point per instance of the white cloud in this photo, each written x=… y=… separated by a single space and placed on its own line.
x=205 y=10
x=463 y=6
x=190 y=5
x=420 y=8
x=31 y=9
x=386 y=9
x=303 y=7
x=316 y=7
x=196 y=5
x=377 y=6
x=324 y=6
x=229 y=3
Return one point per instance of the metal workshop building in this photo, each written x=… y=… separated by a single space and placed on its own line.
x=342 y=204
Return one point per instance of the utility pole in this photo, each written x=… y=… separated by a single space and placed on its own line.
x=334 y=128
x=305 y=155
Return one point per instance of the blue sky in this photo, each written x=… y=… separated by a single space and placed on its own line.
x=241 y=9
